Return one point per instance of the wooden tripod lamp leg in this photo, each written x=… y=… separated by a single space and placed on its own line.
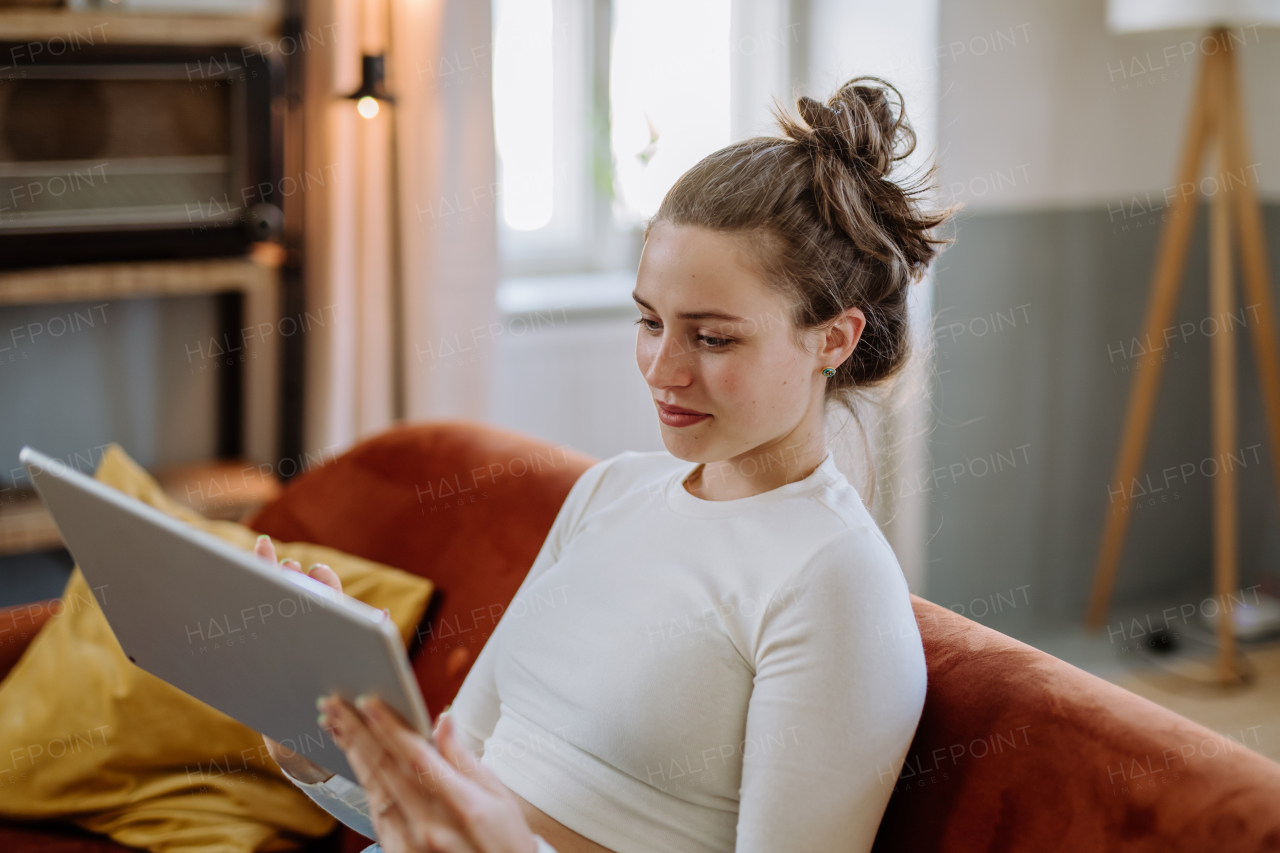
x=1222 y=360
x=1161 y=304
x=1260 y=312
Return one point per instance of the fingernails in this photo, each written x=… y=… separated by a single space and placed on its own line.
x=323 y=720
x=320 y=700
x=364 y=702
x=314 y=566
x=263 y=537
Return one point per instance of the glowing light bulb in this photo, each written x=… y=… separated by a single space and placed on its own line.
x=367 y=107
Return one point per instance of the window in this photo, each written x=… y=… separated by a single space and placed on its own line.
x=522 y=111
x=598 y=108
x=543 y=89
x=669 y=90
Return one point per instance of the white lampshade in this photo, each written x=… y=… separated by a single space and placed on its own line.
x=1135 y=16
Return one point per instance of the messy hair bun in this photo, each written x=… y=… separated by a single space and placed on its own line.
x=827 y=224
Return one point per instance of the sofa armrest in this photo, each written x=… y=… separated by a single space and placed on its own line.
x=18 y=627
x=1017 y=749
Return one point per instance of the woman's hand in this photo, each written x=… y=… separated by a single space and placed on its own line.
x=421 y=799
x=294 y=763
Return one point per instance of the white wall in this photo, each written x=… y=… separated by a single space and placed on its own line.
x=1064 y=116
x=890 y=40
x=572 y=381
x=1073 y=119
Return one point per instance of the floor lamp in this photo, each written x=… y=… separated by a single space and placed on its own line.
x=369 y=99
x=1217 y=125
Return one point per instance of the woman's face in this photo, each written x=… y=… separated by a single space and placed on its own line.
x=717 y=347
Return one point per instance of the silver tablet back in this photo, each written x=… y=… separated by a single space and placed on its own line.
x=250 y=639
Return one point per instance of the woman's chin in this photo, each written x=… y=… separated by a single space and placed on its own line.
x=682 y=445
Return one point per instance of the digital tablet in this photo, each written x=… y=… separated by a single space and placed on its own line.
x=255 y=641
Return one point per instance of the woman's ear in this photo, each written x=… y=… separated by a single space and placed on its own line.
x=842 y=336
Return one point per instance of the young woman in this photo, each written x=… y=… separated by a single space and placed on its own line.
x=732 y=663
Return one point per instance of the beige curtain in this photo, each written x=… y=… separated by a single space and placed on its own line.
x=410 y=304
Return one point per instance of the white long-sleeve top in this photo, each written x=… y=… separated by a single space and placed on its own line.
x=677 y=674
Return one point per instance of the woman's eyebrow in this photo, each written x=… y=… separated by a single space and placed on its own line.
x=693 y=315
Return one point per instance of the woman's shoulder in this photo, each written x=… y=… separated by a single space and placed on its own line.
x=846 y=608
x=851 y=552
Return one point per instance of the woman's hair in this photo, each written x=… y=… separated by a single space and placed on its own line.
x=824 y=221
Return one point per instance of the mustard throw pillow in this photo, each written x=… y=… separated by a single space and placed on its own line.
x=87 y=736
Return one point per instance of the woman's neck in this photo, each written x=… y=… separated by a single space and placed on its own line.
x=762 y=469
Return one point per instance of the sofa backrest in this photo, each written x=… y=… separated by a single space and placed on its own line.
x=465 y=505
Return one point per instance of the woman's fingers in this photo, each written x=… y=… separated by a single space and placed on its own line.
x=490 y=818
x=421 y=818
x=325 y=575
x=486 y=808
x=451 y=746
x=419 y=758
x=385 y=779
x=376 y=769
x=265 y=549
x=414 y=753
x=455 y=810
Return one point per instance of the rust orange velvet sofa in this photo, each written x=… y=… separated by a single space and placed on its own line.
x=1016 y=750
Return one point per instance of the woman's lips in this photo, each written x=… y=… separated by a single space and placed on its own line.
x=678 y=416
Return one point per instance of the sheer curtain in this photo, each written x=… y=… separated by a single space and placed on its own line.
x=443 y=54
x=400 y=243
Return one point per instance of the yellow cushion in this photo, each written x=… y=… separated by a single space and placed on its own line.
x=89 y=737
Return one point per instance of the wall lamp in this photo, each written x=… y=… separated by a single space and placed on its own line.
x=373 y=86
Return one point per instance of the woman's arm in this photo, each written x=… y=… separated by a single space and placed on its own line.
x=837 y=695
x=343 y=799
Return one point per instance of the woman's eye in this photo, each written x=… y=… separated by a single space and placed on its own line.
x=711 y=343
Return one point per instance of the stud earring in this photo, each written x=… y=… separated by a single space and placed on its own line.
x=828 y=372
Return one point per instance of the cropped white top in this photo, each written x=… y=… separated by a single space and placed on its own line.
x=677 y=674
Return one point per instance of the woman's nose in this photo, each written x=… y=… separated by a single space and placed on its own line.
x=668 y=363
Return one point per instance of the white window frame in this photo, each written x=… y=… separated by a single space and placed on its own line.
x=583 y=236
